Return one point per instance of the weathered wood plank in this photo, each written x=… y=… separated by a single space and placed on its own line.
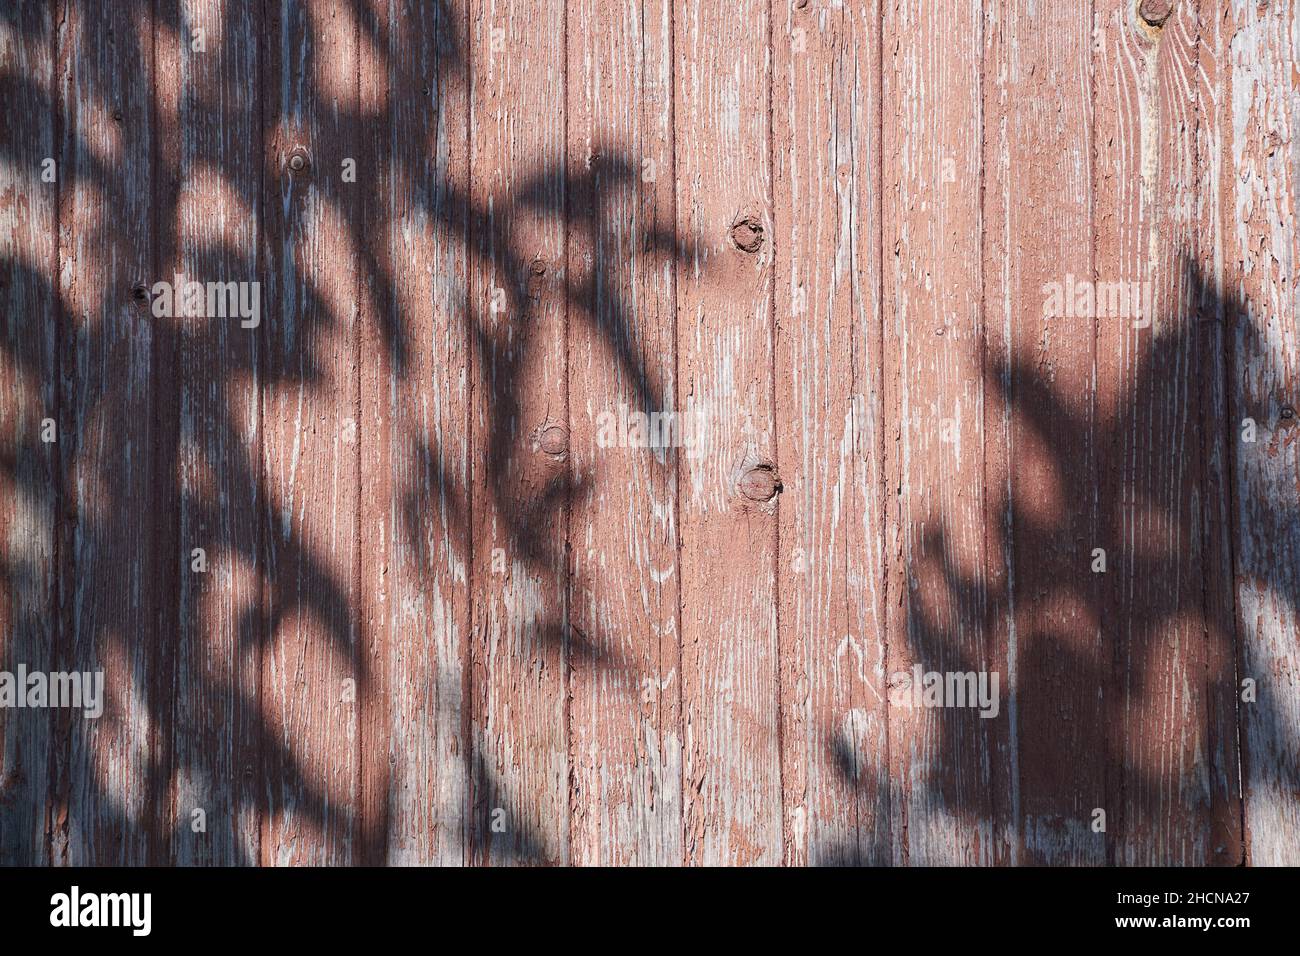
x=414 y=175
x=1212 y=304
x=1040 y=433
x=626 y=687
x=1259 y=53
x=826 y=118
x=310 y=436
x=112 y=806
x=728 y=493
x=29 y=386
x=452 y=613
x=947 y=794
x=208 y=201
x=520 y=484
x=1165 y=804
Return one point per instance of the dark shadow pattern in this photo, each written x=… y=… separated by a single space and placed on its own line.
x=1132 y=478
x=109 y=538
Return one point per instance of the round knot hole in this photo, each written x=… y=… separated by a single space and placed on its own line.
x=747 y=234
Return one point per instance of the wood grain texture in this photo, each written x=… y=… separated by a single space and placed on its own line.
x=945 y=799
x=519 y=414
x=209 y=225
x=1212 y=302
x=727 y=503
x=1167 y=805
x=28 y=381
x=310 y=457
x=626 y=744
x=831 y=578
x=110 y=807
x=455 y=612
x=414 y=175
x=1040 y=429
x=1258 y=49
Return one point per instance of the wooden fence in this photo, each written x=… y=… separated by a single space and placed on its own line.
x=636 y=404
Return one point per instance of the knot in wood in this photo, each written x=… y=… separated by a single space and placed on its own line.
x=555 y=440
x=747 y=234
x=1156 y=12
x=536 y=279
x=760 y=483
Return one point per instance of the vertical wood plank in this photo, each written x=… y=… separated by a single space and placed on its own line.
x=28 y=383
x=109 y=810
x=415 y=457
x=1260 y=176
x=728 y=494
x=1212 y=303
x=445 y=620
x=1168 y=802
x=209 y=201
x=626 y=686
x=826 y=120
x=1040 y=431
x=310 y=436
x=520 y=485
x=947 y=796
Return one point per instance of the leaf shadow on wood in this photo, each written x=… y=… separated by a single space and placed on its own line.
x=1150 y=482
x=259 y=775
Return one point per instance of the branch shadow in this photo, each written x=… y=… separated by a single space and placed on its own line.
x=108 y=511
x=1150 y=482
